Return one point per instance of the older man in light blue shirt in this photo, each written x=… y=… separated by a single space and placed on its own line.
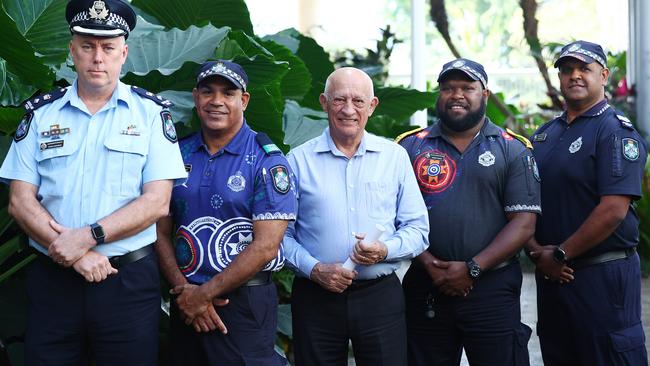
x=348 y=181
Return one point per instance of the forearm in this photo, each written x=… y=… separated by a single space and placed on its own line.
x=140 y=213
x=30 y=215
x=598 y=226
x=264 y=247
x=517 y=232
x=166 y=255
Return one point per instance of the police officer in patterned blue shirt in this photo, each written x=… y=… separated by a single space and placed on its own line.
x=223 y=242
x=91 y=170
x=591 y=162
x=481 y=189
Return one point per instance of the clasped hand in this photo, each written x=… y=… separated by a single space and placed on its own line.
x=198 y=309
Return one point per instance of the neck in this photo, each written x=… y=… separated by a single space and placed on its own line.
x=217 y=140
x=576 y=109
x=347 y=145
x=462 y=139
x=95 y=98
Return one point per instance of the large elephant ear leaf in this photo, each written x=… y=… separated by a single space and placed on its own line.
x=166 y=52
x=43 y=23
x=19 y=53
x=184 y=13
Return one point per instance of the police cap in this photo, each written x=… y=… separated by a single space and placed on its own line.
x=584 y=51
x=100 y=18
x=473 y=69
x=233 y=72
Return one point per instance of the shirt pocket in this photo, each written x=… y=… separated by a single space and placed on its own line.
x=378 y=199
x=55 y=166
x=125 y=161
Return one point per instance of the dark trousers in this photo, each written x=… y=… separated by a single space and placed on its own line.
x=370 y=314
x=113 y=322
x=251 y=320
x=594 y=320
x=487 y=323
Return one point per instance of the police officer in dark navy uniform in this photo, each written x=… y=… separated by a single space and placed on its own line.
x=228 y=222
x=591 y=162
x=481 y=188
x=91 y=170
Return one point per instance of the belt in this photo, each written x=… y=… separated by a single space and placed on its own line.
x=601 y=258
x=259 y=279
x=134 y=256
x=360 y=284
x=505 y=263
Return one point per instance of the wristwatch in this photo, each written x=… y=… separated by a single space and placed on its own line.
x=98 y=233
x=474 y=269
x=559 y=255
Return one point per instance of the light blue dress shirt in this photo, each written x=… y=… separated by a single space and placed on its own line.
x=99 y=164
x=338 y=196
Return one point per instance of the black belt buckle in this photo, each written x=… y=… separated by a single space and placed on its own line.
x=359 y=284
x=259 y=279
x=134 y=256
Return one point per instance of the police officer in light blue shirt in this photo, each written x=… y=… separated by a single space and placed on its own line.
x=91 y=170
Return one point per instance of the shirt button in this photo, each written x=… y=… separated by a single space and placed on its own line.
x=352 y=209
x=351 y=185
x=207 y=174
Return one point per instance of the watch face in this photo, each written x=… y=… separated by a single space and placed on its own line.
x=475 y=271
x=98 y=231
x=559 y=255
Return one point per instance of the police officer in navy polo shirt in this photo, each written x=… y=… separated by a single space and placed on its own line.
x=91 y=169
x=591 y=162
x=228 y=222
x=481 y=188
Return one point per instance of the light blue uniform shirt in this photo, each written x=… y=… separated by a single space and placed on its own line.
x=97 y=166
x=338 y=196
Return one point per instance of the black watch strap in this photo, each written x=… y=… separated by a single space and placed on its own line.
x=559 y=255
x=98 y=233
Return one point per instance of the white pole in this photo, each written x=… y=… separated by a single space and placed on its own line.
x=418 y=44
x=640 y=54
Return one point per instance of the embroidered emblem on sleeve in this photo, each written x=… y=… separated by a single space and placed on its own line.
x=280 y=178
x=23 y=127
x=630 y=149
x=168 y=126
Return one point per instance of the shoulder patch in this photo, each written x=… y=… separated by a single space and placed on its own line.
x=625 y=122
x=407 y=134
x=521 y=138
x=151 y=96
x=267 y=144
x=43 y=99
x=168 y=126
x=23 y=127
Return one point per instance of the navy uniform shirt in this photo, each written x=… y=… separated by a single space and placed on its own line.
x=224 y=193
x=468 y=195
x=598 y=154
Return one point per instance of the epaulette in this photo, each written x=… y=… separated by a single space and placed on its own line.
x=267 y=144
x=625 y=122
x=43 y=99
x=407 y=134
x=521 y=138
x=151 y=96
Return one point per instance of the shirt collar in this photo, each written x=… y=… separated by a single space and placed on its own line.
x=594 y=111
x=233 y=147
x=488 y=129
x=122 y=93
x=325 y=143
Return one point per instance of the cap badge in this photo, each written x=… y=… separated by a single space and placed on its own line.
x=98 y=10
x=574 y=47
x=457 y=64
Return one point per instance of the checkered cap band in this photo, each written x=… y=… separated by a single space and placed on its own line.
x=113 y=19
x=470 y=70
x=585 y=52
x=221 y=69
